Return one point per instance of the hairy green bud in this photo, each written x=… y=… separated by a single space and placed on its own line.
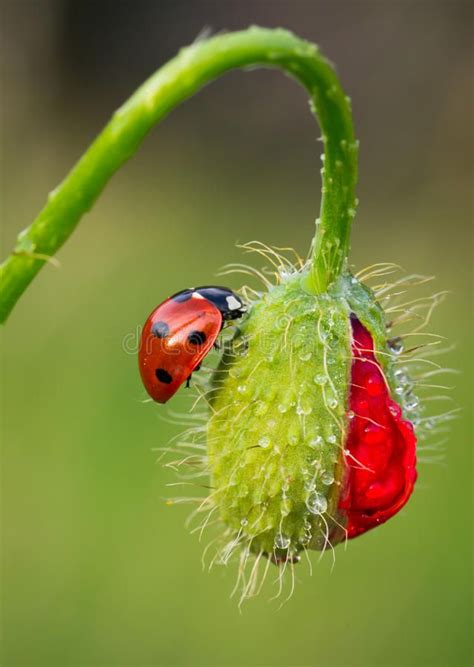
x=280 y=415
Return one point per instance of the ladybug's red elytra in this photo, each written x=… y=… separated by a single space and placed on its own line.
x=179 y=333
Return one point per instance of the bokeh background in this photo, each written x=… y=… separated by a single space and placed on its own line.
x=97 y=570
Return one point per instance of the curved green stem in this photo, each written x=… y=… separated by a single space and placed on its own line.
x=180 y=78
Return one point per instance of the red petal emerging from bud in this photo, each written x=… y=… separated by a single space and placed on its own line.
x=380 y=453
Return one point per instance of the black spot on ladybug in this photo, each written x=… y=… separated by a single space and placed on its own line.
x=160 y=329
x=197 y=337
x=181 y=297
x=163 y=376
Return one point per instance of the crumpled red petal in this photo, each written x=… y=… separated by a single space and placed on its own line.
x=380 y=452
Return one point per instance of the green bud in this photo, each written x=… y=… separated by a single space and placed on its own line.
x=279 y=416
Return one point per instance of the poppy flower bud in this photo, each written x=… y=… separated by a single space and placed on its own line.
x=307 y=443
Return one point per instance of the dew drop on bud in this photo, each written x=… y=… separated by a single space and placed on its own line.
x=394 y=410
x=396 y=345
x=304 y=407
x=327 y=478
x=374 y=384
x=317 y=503
x=316 y=442
x=320 y=379
x=373 y=434
x=264 y=441
x=411 y=403
x=304 y=538
x=282 y=541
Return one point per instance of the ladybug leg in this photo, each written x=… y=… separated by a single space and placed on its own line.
x=188 y=379
x=217 y=345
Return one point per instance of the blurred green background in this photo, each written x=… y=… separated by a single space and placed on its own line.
x=97 y=570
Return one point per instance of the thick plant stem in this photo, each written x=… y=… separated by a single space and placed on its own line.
x=180 y=78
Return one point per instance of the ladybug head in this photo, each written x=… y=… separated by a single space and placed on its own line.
x=228 y=302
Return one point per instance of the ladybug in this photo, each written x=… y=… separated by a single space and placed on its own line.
x=179 y=333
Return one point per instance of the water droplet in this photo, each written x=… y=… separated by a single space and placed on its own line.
x=282 y=408
x=409 y=385
x=400 y=376
x=411 y=403
x=304 y=407
x=394 y=410
x=244 y=522
x=320 y=379
x=242 y=388
x=316 y=442
x=362 y=407
x=304 y=538
x=271 y=423
x=351 y=414
x=306 y=534
x=374 y=434
x=316 y=503
x=264 y=441
x=374 y=384
x=395 y=345
x=305 y=355
x=327 y=478
x=241 y=346
x=282 y=541
x=331 y=439
x=333 y=403
x=285 y=509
